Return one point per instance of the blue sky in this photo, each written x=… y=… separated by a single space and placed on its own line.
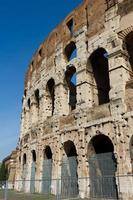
x=24 y=25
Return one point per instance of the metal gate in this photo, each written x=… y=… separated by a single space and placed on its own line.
x=32 y=181
x=102 y=176
x=69 y=177
x=46 y=176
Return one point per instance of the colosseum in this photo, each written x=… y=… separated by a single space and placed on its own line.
x=76 y=136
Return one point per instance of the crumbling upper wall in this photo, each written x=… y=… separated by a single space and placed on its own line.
x=83 y=15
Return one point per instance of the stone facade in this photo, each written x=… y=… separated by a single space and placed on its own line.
x=10 y=165
x=78 y=98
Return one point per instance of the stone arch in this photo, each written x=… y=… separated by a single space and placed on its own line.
x=24 y=171
x=51 y=90
x=122 y=34
x=70 y=51
x=100 y=70
x=29 y=103
x=24 y=159
x=33 y=171
x=69 y=176
x=129 y=47
x=37 y=97
x=33 y=155
x=70 y=148
x=47 y=170
x=70 y=80
x=102 y=167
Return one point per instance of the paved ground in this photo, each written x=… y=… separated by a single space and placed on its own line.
x=11 y=195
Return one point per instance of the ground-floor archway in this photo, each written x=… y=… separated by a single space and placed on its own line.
x=33 y=172
x=69 y=176
x=102 y=168
x=47 y=170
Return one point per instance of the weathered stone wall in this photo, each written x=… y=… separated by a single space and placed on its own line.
x=95 y=26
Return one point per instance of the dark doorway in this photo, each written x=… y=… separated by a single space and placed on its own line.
x=70 y=78
x=69 y=176
x=102 y=168
x=47 y=170
x=100 y=67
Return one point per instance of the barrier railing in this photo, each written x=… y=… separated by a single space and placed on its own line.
x=86 y=188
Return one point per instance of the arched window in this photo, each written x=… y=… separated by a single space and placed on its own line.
x=129 y=47
x=100 y=68
x=71 y=51
x=29 y=103
x=24 y=159
x=70 y=78
x=70 y=25
x=33 y=155
x=70 y=148
x=51 y=89
x=37 y=98
x=47 y=153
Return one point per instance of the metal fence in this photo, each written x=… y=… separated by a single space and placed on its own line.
x=86 y=188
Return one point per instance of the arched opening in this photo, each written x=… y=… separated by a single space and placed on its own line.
x=24 y=173
x=33 y=156
x=29 y=103
x=51 y=89
x=71 y=51
x=24 y=159
x=100 y=68
x=129 y=47
x=70 y=78
x=102 y=167
x=70 y=25
x=37 y=98
x=33 y=171
x=110 y=3
x=47 y=170
x=69 y=176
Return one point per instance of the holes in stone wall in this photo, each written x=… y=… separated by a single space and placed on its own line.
x=100 y=67
x=71 y=51
x=70 y=78
x=51 y=89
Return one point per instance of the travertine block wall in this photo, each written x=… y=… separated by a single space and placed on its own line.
x=95 y=26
